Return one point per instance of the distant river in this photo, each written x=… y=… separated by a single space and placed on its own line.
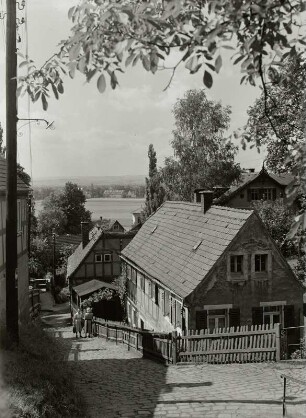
x=120 y=209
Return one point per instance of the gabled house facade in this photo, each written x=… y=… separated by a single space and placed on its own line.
x=98 y=255
x=196 y=266
x=253 y=187
x=22 y=274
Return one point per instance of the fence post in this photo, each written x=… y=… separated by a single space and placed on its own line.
x=137 y=341
x=106 y=331
x=129 y=340
x=116 y=334
x=174 y=347
x=277 y=340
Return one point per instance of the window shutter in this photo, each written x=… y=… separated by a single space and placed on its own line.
x=201 y=319
x=249 y=195
x=288 y=316
x=234 y=317
x=257 y=316
x=178 y=315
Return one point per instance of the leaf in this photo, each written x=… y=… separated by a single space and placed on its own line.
x=18 y=91
x=101 y=83
x=298 y=222
x=44 y=102
x=114 y=80
x=23 y=64
x=238 y=59
x=70 y=12
x=129 y=60
x=288 y=28
x=146 y=63
x=60 y=88
x=74 y=51
x=218 y=63
x=207 y=79
x=54 y=91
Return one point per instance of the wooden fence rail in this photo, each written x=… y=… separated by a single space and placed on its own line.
x=229 y=345
x=157 y=345
x=243 y=344
x=34 y=303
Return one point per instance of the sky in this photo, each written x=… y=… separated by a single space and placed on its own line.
x=107 y=134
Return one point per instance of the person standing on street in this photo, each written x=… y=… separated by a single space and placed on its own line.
x=88 y=322
x=77 y=322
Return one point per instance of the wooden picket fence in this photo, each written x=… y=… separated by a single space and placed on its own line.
x=156 y=345
x=242 y=344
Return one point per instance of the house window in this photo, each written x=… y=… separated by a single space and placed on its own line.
x=261 y=262
x=217 y=318
x=236 y=263
x=107 y=258
x=255 y=194
x=272 y=315
x=116 y=227
x=98 y=258
x=269 y=194
x=156 y=295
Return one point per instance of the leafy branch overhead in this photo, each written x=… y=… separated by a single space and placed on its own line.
x=108 y=36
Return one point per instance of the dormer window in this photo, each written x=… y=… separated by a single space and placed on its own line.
x=261 y=262
x=237 y=269
x=98 y=258
x=237 y=264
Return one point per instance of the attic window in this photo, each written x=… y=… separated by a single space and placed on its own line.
x=154 y=229
x=197 y=245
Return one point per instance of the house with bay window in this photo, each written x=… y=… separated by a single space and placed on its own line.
x=198 y=266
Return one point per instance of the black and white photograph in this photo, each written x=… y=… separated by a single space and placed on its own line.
x=152 y=208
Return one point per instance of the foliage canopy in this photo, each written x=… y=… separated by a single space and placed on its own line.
x=203 y=157
x=108 y=36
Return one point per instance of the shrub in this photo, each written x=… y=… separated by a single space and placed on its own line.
x=61 y=295
x=38 y=379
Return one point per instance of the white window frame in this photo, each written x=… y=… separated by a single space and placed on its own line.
x=216 y=317
x=237 y=276
x=266 y=305
x=98 y=258
x=267 y=274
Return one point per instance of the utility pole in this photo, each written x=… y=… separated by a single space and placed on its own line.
x=11 y=177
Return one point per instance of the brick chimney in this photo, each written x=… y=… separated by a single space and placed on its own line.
x=197 y=195
x=85 y=233
x=206 y=199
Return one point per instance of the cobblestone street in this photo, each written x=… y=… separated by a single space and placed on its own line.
x=116 y=382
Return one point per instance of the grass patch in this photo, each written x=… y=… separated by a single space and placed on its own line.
x=38 y=378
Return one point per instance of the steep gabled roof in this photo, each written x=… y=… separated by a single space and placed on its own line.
x=75 y=260
x=179 y=244
x=247 y=178
x=64 y=240
x=107 y=224
x=92 y=286
x=21 y=186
